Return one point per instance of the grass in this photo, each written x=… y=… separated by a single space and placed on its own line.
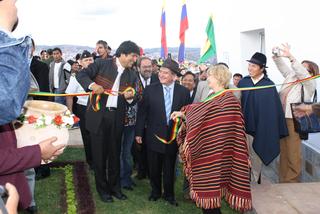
x=48 y=195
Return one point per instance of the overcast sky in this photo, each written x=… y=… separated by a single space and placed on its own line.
x=83 y=22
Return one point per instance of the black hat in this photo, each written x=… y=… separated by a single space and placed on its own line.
x=259 y=59
x=85 y=54
x=172 y=65
x=71 y=62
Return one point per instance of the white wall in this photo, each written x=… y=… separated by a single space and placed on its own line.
x=295 y=22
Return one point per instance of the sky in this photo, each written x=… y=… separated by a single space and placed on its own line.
x=83 y=22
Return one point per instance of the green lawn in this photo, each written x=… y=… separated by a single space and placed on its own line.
x=48 y=195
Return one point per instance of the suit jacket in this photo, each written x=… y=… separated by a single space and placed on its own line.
x=152 y=115
x=40 y=71
x=202 y=91
x=14 y=161
x=63 y=77
x=104 y=72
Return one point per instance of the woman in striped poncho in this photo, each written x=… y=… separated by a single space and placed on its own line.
x=213 y=148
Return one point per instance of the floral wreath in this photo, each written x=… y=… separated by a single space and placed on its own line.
x=65 y=120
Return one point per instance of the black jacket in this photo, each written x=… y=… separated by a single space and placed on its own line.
x=104 y=72
x=151 y=114
x=40 y=71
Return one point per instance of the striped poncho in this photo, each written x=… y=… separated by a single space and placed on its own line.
x=215 y=155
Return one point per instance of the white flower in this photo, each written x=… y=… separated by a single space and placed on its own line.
x=40 y=121
x=48 y=120
x=67 y=120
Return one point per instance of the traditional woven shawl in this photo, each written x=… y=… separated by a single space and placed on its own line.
x=214 y=150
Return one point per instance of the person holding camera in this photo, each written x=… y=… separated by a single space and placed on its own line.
x=290 y=146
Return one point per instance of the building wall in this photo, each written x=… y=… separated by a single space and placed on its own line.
x=295 y=22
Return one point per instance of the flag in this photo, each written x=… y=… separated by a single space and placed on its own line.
x=209 y=49
x=183 y=27
x=164 y=48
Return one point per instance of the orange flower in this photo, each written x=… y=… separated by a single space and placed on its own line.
x=31 y=119
x=58 y=120
x=75 y=119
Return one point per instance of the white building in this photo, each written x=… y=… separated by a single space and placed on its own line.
x=246 y=26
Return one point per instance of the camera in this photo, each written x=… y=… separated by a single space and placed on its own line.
x=276 y=51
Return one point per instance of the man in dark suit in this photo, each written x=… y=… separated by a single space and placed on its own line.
x=188 y=80
x=40 y=71
x=106 y=125
x=158 y=101
x=145 y=78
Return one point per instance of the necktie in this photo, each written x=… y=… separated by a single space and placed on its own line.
x=167 y=102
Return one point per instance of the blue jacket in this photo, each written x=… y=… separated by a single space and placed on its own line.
x=264 y=118
x=14 y=75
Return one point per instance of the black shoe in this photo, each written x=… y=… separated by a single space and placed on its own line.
x=153 y=198
x=106 y=198
x=134 y=184
x=32 y=209
x=119 y=195
x=172 y=201
x=128 y=188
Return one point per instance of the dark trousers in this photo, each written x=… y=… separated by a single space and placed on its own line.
x=85 y=134
x=142 y=158
x=162 y=166
x=106 y=147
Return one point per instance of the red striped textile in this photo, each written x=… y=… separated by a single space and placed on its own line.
x=215 y=154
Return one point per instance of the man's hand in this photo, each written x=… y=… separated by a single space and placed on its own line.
x=13 y=199
x=139 y=140
x=128 y=95
x=48 y=150
x=97 y=89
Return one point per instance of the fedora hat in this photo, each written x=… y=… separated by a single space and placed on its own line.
x=172 y=65
x=259 y=59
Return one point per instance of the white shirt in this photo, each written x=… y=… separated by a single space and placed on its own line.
x=144 y=81
x=191 y=93
x=75 y=87
x=56 y=74
x=113 y=100
x=257 y=80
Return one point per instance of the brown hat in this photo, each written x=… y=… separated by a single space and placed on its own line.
x=172 y=65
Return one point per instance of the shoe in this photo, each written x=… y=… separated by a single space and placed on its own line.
x=153 y=198
x=173 y=202
x=106 y=198
x=32 y=209
x=119 y=195
x=133 y=184
x=128 y=188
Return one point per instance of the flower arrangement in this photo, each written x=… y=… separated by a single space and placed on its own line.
x=65 y=120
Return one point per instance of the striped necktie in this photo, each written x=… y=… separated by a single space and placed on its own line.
x=167 y=102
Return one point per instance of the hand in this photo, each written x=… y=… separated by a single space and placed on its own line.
x=48 y=150
x=285 y=50
x=302 y=110
x=97 y=89
x=128 y=95
x=139 y=140
x=176 y=114
x=13 y=199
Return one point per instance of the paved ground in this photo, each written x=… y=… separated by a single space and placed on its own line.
x=268 y=197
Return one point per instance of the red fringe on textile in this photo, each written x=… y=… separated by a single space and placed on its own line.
x=235 y=202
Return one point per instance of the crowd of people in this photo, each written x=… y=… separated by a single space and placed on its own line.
x=224 y=138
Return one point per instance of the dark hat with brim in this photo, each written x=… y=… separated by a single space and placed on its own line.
x=172 y=65
x=259 y=59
